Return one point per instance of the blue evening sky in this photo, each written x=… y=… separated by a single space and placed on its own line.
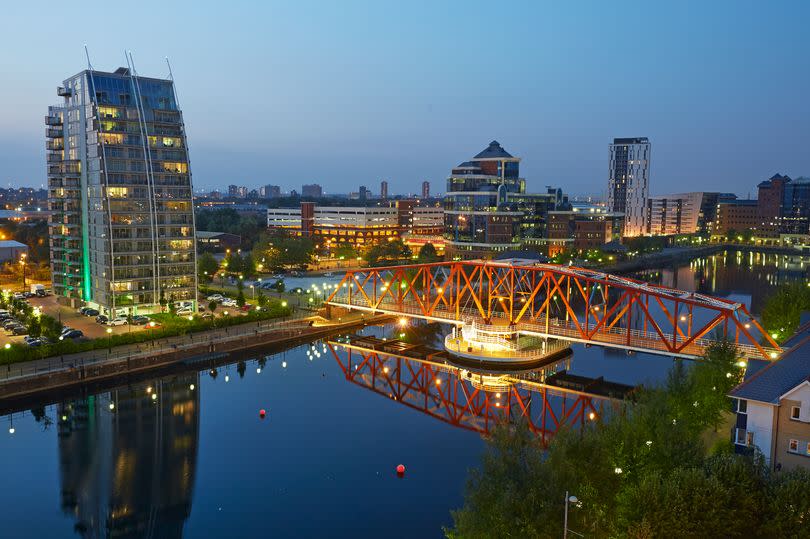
x=346 y=93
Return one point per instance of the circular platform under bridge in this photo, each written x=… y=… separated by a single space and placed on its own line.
x=502 y=344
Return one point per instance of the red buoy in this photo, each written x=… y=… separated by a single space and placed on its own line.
x=262 y=413
x=400 y=470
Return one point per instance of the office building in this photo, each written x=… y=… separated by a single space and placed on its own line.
x=363 y=193
x=629 y=182
x=333 y=225
x=311 y=191
x=383 y=189
x=425 y=190
x=736 y=216
x=684 y=213
x=119 y=186
x=581 y=228
x=487 y=209
x=271 y=191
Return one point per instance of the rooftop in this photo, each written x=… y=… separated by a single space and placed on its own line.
x=11 y=243
x=769 y=383
x=494 y=151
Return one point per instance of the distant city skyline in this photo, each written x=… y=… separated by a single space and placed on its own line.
x=361 y=100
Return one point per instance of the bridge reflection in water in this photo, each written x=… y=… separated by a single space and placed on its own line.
x=469 y=397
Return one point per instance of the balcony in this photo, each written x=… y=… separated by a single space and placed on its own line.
x=53 y=120
x=58 y=144
x=54 y=133
x=61 y=91
x=54 y=158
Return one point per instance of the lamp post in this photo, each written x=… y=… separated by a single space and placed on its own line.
x=22 y=263
x=568 y=499
x=109 y=340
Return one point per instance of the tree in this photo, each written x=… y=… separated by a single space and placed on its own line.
x=207 y=266
x=162 y=301
x=345 y=251
x=50 y=327
x=731 y=235
x=34 y=327
x=427 y=254
x=240 y=296
x=172 y=304
x=387 y=251
x=782 y=311
x=261 y=299
x=212 y=306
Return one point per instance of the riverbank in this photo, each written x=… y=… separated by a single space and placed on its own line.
x=17 y=380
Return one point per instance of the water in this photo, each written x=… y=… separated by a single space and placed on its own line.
x=197 y=461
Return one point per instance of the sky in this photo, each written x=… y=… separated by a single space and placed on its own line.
x=349 y=93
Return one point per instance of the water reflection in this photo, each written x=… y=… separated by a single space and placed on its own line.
x=128 y=458
x=733 y=273
x=476 y=398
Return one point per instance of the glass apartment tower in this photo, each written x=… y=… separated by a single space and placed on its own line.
x=629 y=182
x=120 y=194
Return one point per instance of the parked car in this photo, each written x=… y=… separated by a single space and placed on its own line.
x=102 y=319
x=185 y=311
x=91 y=312
x=27 y=294
x=82 y=310
x=27 y=339
x=140 y=320
x=19 y=330
x=215 y=297
x=246 y=307
x=228 y=302
x=65 y=329
x=4 y=317
x=118 y=321
x=72 y=334
x=18 y=295
x=10 y=322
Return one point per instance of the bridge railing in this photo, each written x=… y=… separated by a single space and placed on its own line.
x=560 y=328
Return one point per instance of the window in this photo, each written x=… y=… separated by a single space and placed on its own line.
x=793 y=446
x=795 y=412
x=742 y=406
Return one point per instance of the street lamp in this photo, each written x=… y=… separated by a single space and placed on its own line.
x=22 y=263
x=109 y=340
x=574 y=500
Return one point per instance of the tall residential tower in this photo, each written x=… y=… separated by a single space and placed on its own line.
x=629 y=182
x=119 y=189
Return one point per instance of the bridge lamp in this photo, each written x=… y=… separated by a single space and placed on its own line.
x=592 y=416
x=385 y=370
x=747 y=326
x=773 y=355
x=403 y=321
x=742 y=364
x=440 y=289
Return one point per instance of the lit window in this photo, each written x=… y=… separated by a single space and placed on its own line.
x=793 y=446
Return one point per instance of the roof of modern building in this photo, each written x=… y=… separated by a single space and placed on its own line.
x=521 y=257
x=11 y=243
x=204 y=234
x=768 y=384
x=631 y=140
x=493 y=151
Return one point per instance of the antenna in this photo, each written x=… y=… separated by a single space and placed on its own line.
x=87 y=55
x=171 y=75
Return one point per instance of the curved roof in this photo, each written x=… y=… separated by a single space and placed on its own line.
x=493 y=151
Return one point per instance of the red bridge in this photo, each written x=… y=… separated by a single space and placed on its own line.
x=558 y=302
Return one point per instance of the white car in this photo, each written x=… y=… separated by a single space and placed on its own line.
x=185 y=311
x=119 y=321
x=215 y=297
x=228 y=302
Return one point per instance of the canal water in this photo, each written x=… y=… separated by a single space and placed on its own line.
x=186 y=454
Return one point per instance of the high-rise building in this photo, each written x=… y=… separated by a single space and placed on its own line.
x=120 y=192
x=233 y=191
x=363 y=193
x=383 y=189
x=271 y=191
x=629 y=182
x=312 y=191
x=425 y=190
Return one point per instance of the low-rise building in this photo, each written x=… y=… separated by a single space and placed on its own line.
x=582 y=228
x=736 y=216
x=217 y=241
x=772 y=405
x=11 y=250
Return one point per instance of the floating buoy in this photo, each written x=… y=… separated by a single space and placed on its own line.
x=400 y=470
x=262 y=413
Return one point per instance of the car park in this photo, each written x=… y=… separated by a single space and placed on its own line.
x=119 y=321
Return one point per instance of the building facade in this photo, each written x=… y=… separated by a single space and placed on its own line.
x=477 y=220
x=772 y=405
x=582 y=228
x=674 y=214
x=736 y=216
x=425 y=190
x=383 y=189
x=119 y=186
x=311 y=191
x=629 y=182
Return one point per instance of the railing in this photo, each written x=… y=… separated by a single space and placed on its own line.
x=559 y=328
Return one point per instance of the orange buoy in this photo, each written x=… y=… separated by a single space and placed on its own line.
x=400 y=470
x=262 y=413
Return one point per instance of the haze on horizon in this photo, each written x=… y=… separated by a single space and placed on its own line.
x=350 y=93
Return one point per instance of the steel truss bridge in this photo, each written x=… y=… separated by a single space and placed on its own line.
x=473 y=400
x=558 y=302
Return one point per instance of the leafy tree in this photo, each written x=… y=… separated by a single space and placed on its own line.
x=34 y=327
x=782 y=311
x=346 y=251
x=261 y=299
x=787 y=505
x=387 y=251
x=172 y=304
x=50 y=327
x=240 y=296
x=207 y=266
x=212 y=306
x=427 y=254
x=731 y=235
x=162 y=301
